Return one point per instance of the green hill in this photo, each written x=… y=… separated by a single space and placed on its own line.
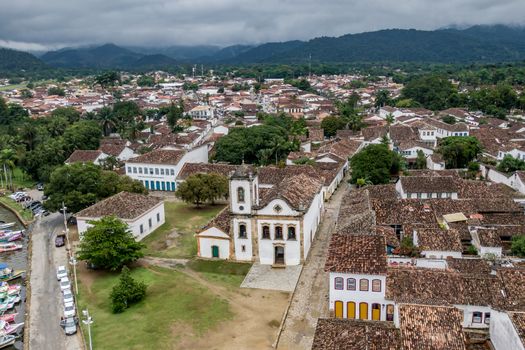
x=12 y=60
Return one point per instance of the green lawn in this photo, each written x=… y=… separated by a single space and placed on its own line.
x=175 y=305
x=22 y=180
x=223 y=272
x=186 y=220
x=24 y=213
x=12 y=87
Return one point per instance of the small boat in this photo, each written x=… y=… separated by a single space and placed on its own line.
x=7 y=274
x=11 y=232
x=9 y=247
x=8 y=317
x=9 y=328
x=7 y=225
x=7 y=340
x=11 y=238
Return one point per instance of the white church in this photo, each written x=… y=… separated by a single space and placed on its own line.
x=272 y=226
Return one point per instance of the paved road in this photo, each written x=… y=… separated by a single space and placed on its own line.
x=46 y=301
x=310 y=300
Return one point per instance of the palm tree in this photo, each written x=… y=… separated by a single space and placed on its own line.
x=106 y=120
x=390 y=118
x=7 y=159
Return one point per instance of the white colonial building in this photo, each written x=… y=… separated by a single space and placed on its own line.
x=272 y=226
x=158 y=169
x=143 y=214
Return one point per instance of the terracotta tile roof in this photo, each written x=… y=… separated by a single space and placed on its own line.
x=159 y=156
x=513 y=280
x=83 y=156
x=469 y=266
x=112 y=149
x=390 y=235
x=489 y=238
x=342 y=334
x=403 y=212
x=431 y=328
x=344 y=149
x=222 y=221
x=518 y=320
x=298 y=191
x=356 y=214
x=400 y=133
x=273 y=175
x=424 y=184
x=439 y=240
x=373 y=133
x=360 y=254
x=124 y=205
x=383 y=192
x=205 y=168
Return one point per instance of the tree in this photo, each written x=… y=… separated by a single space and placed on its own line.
x=449 y=119
x=434 y=92
x=518 y=245
x=109 y=244
x=106 y=120
x=510 y=164
x=7 y=161
x=201 y=188
x=83 y=135
x=331 y=124
x=146 y=80
x=375 y=163
x=68 y=113
x=56 y=91
x=390 y=119
x=421 y=160
x=110 y=163
x=26 y=93
x=458 y=151
x=126 y=292
x=382 y=98
x=174 y=114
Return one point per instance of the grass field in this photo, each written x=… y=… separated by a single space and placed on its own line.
x=175 y=306
x=24 y=213
x=185 y=220
x=223 y=272
x=12 y=87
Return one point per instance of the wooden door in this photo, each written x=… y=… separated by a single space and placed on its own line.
x=214 y=251
x=363 y=311
x=376 y=312
x=350 y=310
x=339 y=309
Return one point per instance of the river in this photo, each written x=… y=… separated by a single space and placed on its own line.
x=18 y=261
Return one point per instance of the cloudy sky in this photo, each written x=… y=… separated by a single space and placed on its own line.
x=49 y=24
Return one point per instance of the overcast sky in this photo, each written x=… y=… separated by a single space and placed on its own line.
x=48 y=24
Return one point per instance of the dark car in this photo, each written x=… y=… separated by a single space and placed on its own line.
x=40 y=186
x=60 y=240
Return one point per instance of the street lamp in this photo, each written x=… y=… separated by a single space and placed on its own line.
x=88 y=321
x=64 y=208
x=74 y=262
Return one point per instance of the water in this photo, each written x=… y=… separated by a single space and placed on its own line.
x=16 y=260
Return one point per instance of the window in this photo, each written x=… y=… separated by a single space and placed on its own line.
x=158 y=217
x=240 y=195
x=363 y=284
x=419 y=196
x=376 y=285
x=476 y=317
x=266 y=232
x=439 y=194
x=151 y=171
x=291 y=232
x=278 y=232
x=167 y=171
x=242 y=231
x=140 y=170
x=243 y=248
x=141 y=229
x=409 y=194
x=172 y=172
x=339 y=283
x=156 y=171
x=429 y=195
x=390 y=312
x=350 y=284
x=134 y=170
x=129 y=170
x=487 y=318
x=162 y=171
x=150 y=223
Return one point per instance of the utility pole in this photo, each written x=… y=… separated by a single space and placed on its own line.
x=64 y=208
x=88 y=321
x=73 y=261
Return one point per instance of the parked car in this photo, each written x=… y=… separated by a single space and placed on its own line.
x=60 y=240
x=44 y=197
x=40 y=186
x=34 y=204
x=64 y=284
x=45 y=213
x=69 y=310
x=70 y=325
x=61 y=272
x=68 y=296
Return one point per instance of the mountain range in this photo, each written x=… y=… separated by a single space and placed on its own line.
x=487 y=44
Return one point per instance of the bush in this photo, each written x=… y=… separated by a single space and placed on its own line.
x=126 y=292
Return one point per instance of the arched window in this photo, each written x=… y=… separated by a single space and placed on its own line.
x=350 y=284
x=291 y=232
x=390 y=312
x=242 y=231
x=363 y=284
x=278 y=232
x=266 y=232
x=339 y=283
x=376 y=285
x=240 y=194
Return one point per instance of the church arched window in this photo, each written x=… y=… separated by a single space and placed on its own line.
x=240 y=195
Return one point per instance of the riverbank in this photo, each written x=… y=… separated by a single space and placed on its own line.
x=24 y=216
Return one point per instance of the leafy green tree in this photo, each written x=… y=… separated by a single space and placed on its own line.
x=174 y=114
x=458 y=151
x=382 y=98
x=190 y=86
x=26 y=93
x=110 y=163
x=431 y=91
x=107 y=120
x=201 y=188
x=449 y=119
x=46 y=156
x=109 y=244
x=107 y=79
x=390 y=119
x=375 y=163
x=56 y=91
x=126 y=292
x=331 y=124
x=68 y=113
x=510 y=164
x=83 y=135
x=146 y=80
x=518 y=245
x=421 y=160
x=7 y=161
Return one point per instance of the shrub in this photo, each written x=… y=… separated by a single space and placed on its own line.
x=126 y=292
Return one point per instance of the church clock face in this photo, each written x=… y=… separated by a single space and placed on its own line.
x=277 y=208
x=241 y=207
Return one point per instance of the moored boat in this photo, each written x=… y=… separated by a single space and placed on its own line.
x=9 y=247
x=9 y=317
x=7 y=274
x=7 y=328
x=7 y=225
x=7 y=340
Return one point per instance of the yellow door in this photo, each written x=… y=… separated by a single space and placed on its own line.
x=350 y=310
x=363 y=311
x=339 y=309
x=376 y=312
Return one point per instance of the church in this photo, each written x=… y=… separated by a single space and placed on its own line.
x=272 y=225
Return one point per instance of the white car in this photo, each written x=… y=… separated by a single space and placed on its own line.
x=69 y=310
x=64 y=284
x=61 y=272
x=68 y=296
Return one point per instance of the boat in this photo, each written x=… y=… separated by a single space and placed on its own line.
x=7 y=340
x=7 y=274
x=11 y=232
x=8 y=317
x=9 y=328
x=10 y=238
x=7 y=225
x=9 y=247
